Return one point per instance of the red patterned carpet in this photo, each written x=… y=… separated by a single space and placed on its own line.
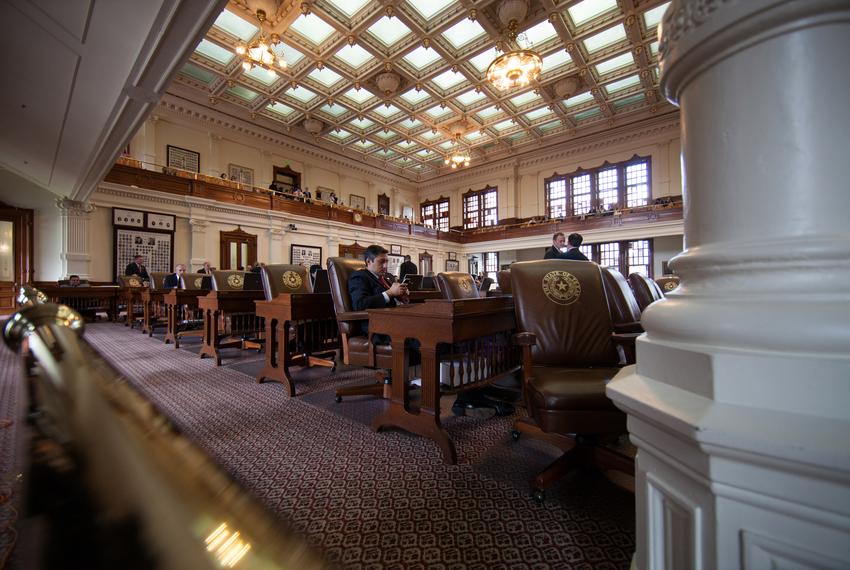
x=368 y=500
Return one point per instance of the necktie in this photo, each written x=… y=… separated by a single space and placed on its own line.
x=384 y=281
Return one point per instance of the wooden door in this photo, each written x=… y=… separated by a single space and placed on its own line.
x=16 y=253
x=238 y=250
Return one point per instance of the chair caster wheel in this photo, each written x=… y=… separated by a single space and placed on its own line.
x=338 y=399
x=334 y=368
x=515 y=434
x=539 y=496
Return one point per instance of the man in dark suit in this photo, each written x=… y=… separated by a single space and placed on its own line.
x=560 y=251
x=172 y=281
x=206 y=269
x=407 y=268
x=137 y=268
x=372 y=288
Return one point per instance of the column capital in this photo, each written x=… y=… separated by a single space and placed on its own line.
x=70 y=207
x=198 y=226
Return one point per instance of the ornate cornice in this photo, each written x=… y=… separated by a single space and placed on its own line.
x=71 y=207
x=682 y=18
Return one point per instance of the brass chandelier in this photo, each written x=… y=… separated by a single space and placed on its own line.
x=459 y=156
x=260 y=51
x=515 y=67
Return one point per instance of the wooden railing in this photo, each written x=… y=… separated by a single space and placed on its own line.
x=131 y=172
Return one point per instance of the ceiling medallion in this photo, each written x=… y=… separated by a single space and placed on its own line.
x=459 y=156
x=260 y=51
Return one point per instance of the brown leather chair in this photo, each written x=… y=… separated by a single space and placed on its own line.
x=564 y=327
x=236 y=281
x=668 y=283
x=357 y=348
x=130 y=281
x=457 y=285
x=485 y=285
x=285 y=278
x=503 y=278
x=195 y=281
x=625 y=312
x=157 y=279
x=645 y=289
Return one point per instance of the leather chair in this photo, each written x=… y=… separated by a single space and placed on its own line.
x=564 y=327
x=667 y=283
x=357 y=348
x=485 y=285
x=236 y=281
x=503 y=278
x=285 y=278
x=157 y=279
x=457 y=285
x=625 y=312
x=645 y=289
x=195 y=281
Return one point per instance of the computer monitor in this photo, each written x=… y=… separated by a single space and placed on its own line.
x=321 y=284
x=414 y=281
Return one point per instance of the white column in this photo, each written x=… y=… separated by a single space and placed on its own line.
x=740 y=400
x=276 y=246
x=214 y=164
x=199 y=246
x=147 y=154
x=75 y=249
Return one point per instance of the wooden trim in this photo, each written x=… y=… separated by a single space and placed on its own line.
x=22 y=253
x=238 y=236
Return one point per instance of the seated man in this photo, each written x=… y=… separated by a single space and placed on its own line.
x=371 y=288
x=172 y=280
x=74 y=281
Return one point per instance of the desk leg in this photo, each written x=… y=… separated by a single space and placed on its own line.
x=427 y=421
x=278 y=358
x=210 y=347
x=146 y=318
x=171 y=327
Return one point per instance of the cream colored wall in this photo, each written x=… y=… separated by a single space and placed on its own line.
x=664 y=249
x=101 y=243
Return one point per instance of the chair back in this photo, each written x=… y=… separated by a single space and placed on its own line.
x=157 y=279
x=621 y=300
x=429 y=283
x=130 y=281
x=457 y=285
x=285 y=278
x=668 y=283
x=236 y=281
x=503 y=278
x=321 y=284
x=485 y=285
x=563 y=303
x=645 y=289
x=339 y=270
x=195 y=282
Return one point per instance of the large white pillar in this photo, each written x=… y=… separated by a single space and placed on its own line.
x=75 y=248
x=740 y=400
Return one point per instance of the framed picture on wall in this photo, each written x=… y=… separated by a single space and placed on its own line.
x=305 y=255
x=357 y=202
x=395 y=250
x=452 y=255
x=452 y=265
x=183 y=159
x=394 y=263
x=241 y=174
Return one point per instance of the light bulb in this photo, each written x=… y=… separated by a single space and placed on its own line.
x=240 y=50
x=246 y=66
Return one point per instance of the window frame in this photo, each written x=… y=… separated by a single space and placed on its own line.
x=440 y=221
x=623 y=254
x=480 y=214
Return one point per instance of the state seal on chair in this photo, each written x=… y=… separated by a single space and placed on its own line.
x=198 y=282
x=291 y=279
x=561 y=287
x=235 y=281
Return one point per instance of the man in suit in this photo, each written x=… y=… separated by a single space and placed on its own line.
x=407 y=268
x=372 y=288
x=137 y=268
x=206 y=269
x=560 y=251
x=172 y=281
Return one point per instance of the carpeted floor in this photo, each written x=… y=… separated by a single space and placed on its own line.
x=368 y=500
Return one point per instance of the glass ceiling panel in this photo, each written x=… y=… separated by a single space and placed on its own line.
x=235 y=26
x=363 y=123
x=590 y=9
x=386 y=153
x=446 y=145
x=537 y=113
x=389 y=30
x=429 y=8
x=261 y=75
x=579 y=99
x=355 y=56
x=358 y=95
x=504 y=125
x=198 y=73
x=587 y=114
x=469 y=97
x=425 y=153
x=421 y=57
x=474 y=136
x=348 y=7
x=312 y=28
x=413 y=96
x=449 y=79
x=463 y=32
x=301 y=93
x=280 y=108
x=622 y=84
x=623 y=60
x=388 y=134
x=334 y=110
x=410 y=123
x=652 y=17
x=386 y=112
x=540 y=33
x=325 y=76
x=653 y=48
x=215 y=52
x=364 y=144
x=555 y=60
x=630 y=100
x=405 y=144
x=488 y=112
x=437 y=111
x=605 y=38
x=524 y=99
x=483 y=60
x=549 y=126
x=341 y=135
x=289 y=54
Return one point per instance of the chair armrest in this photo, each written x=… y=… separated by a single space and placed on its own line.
x=625 y=339
x=353 y=316
x=524 y=339
x=632 y=327
x=626 y=346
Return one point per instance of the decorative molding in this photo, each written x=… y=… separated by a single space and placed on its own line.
x=70 y=207
x=682 y=18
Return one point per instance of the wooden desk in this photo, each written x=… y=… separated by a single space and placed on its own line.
x=152 y=305
x=480 y=328
x=176 y=302
x=131 y=296
x=81 y=299
x=422 y=296
x=310 y=317
x=219 y=304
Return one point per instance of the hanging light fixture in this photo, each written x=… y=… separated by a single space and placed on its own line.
x=459 y=155
x=260 y=51
x=519 y=67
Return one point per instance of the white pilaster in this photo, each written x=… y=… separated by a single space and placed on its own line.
x=75 y=251
x=740 y=400
x=276 y=246
x=199 y=246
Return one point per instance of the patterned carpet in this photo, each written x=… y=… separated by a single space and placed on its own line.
x=11 y=398
x=368 y=500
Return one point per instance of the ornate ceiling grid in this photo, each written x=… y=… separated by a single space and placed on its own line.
x=439 y=50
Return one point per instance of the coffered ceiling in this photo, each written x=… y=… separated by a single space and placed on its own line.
x=599 y=70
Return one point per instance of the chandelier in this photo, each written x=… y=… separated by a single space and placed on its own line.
x=517 y=67
x=260 y=51
x=459 y=156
